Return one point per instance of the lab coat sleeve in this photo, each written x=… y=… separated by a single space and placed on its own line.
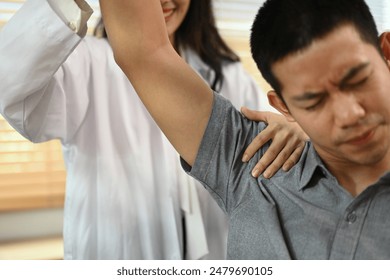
x=41 y=95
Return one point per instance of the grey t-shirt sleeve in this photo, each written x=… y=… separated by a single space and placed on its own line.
x=218 y=165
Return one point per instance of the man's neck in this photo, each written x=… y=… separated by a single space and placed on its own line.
x=355 y=178
x=356 y=182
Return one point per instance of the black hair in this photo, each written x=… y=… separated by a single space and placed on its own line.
x=284 y=27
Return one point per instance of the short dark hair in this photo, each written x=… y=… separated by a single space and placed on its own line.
x=284 y=27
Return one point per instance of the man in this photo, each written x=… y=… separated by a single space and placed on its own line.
x=323 y=60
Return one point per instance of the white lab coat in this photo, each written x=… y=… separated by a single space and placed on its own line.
x=125 y=191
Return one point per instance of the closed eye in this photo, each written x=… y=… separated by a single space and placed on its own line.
x=354 y=85
x=315 y=105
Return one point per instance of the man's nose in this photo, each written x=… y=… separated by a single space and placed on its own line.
x=348 y=111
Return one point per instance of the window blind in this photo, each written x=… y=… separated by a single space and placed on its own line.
x=32 y=176
x=234 y=18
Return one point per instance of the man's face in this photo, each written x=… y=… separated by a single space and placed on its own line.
x=338 y=90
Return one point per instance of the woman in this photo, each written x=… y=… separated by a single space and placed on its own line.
x=125 y=191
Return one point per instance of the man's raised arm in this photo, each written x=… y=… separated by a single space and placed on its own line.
x=176 y=97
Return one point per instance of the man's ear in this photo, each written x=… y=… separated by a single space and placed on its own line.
x=279 y=105
x=384 y=39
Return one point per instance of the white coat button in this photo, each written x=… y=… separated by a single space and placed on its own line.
x=72 y=26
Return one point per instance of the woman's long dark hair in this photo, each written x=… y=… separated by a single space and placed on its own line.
x=198 y=32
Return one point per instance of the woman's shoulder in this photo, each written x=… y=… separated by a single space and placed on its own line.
x=97 y=44
x=93 y=50
x=234 y=67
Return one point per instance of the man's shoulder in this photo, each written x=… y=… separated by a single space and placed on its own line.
x=308 y=166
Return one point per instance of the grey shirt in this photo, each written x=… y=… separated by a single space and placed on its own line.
x=301 y=214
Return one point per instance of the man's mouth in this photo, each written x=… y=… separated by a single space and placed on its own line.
x=362 y=139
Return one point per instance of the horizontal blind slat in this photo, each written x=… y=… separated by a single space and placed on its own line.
x=32 y=176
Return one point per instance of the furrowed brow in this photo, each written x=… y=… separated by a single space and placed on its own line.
x=352 y=73
x=308 y=96
x=343 y=82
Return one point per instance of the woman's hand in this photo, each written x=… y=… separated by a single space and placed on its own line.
x=288 y=141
